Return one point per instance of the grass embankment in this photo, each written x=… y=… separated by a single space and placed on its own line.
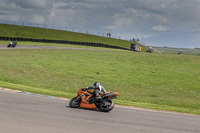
x=155 y=81
x=42 y=33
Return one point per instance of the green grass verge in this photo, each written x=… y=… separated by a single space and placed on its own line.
x=155 y=81
x=42 y=33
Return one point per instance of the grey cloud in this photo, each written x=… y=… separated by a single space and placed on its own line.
x=35 y=4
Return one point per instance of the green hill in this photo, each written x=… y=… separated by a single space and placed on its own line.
x=43 y=33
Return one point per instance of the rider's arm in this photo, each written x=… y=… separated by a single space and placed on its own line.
x=92 y=87
x=87 y=88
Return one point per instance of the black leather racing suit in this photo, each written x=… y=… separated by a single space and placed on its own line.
x=97 y=92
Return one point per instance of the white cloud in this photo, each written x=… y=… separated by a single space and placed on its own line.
x=38 y=19
x=160 y=28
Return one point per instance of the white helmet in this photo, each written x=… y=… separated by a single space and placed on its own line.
x=97 y=85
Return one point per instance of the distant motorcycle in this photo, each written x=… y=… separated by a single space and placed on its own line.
x=149 y=51
x=84 y=99
x=12 y=44
x=180 y=52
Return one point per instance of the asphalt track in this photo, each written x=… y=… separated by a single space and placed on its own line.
x=43 y=47
x=28 y=113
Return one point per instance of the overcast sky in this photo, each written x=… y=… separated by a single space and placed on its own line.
x=173 y=23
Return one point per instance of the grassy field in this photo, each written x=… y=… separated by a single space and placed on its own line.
x=42 y=33
x=155 y=81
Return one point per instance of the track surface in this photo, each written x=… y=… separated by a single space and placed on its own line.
x=20 y=113
x=42 y=47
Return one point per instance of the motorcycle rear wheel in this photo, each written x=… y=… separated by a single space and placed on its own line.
x=107 y=106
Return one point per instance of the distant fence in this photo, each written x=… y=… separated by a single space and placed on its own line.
x=61 y=42
x=63 y=28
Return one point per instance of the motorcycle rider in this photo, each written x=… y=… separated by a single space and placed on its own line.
x=180 y=52
x=98 y=90
x=13 y=44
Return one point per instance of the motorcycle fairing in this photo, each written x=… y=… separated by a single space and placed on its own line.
x=85 y=103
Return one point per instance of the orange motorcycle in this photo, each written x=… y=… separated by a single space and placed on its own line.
x=85 y=99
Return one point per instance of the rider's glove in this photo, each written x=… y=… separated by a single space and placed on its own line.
x=85 y=89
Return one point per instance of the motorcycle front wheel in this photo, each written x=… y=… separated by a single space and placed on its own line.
x=74 y=103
